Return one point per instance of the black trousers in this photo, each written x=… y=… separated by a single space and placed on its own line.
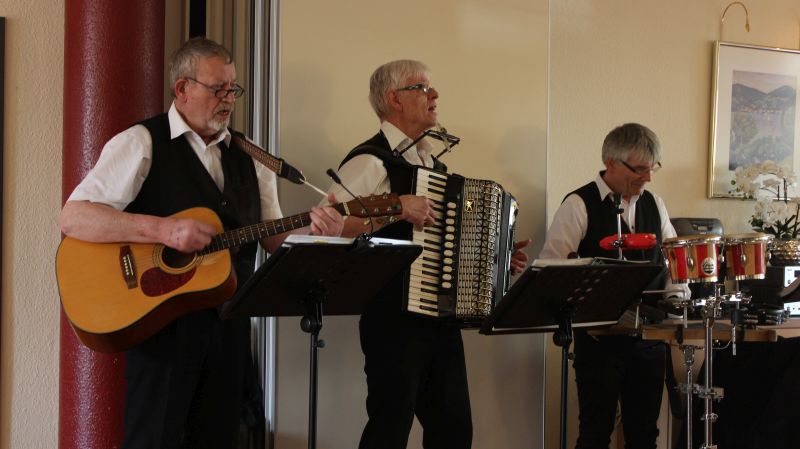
x=612 y=368
x=185 y=384
x=414 y=366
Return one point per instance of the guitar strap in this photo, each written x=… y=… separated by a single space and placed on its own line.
x=276 y=164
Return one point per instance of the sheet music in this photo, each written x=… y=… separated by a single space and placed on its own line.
x=541 y=263
x=300 y=238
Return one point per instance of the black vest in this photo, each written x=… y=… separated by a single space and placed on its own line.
x=178 y=180
x=602 y=222
x=401 y=179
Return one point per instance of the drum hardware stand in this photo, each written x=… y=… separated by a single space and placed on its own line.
x=618 y=243
x=689 y=388
x=736 y=298
x=711 y=311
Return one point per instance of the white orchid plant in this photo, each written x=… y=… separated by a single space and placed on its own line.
x=775 y=211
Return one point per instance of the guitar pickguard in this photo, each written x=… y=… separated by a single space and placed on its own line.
x=156 y=282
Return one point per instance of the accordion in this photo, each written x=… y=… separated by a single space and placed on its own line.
x=464 y=268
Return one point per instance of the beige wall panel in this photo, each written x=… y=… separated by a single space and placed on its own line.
x=33 y=82
x=489 y=63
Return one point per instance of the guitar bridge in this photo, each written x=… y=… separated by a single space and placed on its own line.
x=127 y=266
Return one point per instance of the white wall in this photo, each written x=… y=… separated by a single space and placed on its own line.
x=29 y=321
x=489 y=63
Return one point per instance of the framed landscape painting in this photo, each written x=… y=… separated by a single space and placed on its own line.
x=754 y=111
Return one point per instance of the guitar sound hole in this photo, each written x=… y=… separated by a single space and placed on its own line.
x=176 y=259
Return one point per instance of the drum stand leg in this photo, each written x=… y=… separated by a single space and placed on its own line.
x=689 y=388
x=708 y=392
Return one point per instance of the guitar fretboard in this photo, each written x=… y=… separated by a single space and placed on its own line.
x=247 y=234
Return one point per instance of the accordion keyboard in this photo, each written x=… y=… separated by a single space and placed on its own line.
x=463 y=269
x=426 y=270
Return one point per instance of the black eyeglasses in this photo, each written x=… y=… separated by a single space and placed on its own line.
x=221 y=92
x=419 y=86
x=642 y=170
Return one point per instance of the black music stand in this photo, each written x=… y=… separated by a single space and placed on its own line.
x=303 y=277
x=562 y=297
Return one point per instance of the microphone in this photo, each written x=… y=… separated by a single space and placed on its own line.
x=398 y=153
x=617 y=201
x=276 y=164
x=449 y=140
x=332 y=174
x=335 y=177
x=292 y=174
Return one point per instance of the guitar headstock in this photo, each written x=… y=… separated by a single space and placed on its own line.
x=371 y=206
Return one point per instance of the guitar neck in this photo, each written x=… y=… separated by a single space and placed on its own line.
x=258 y=231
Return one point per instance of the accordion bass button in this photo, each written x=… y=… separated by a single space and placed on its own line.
x=447 y=261
x=448 y=253
x=449 y=245
x=451 y=213
x=447 y=277
x=447 y=269
x=449 y=221
x=447 y=285
x=450 y=229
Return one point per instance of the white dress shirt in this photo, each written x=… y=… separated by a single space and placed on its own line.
x=125 y=162
x=365 y=174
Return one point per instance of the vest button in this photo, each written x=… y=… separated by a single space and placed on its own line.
x=224 y=203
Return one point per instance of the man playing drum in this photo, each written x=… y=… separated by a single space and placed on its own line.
x=616 y=367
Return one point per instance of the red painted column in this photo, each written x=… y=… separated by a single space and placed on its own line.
x=113 y=78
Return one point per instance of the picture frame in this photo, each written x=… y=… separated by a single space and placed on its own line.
x=754 y=113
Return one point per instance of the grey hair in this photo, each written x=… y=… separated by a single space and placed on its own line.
x=632 y=138
x=390 y=76
x=183 y=63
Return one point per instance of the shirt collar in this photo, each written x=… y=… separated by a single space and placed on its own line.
x=179 y=127
x=605 y=190
x=398 y=140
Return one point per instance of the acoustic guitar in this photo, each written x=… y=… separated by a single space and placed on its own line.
x=116 y=295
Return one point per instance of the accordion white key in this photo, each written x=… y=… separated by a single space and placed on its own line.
x=464 y=268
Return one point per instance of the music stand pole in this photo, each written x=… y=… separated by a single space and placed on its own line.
x=563 y=337
x=312 y=324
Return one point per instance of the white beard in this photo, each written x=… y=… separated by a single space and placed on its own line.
x=219 y=125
